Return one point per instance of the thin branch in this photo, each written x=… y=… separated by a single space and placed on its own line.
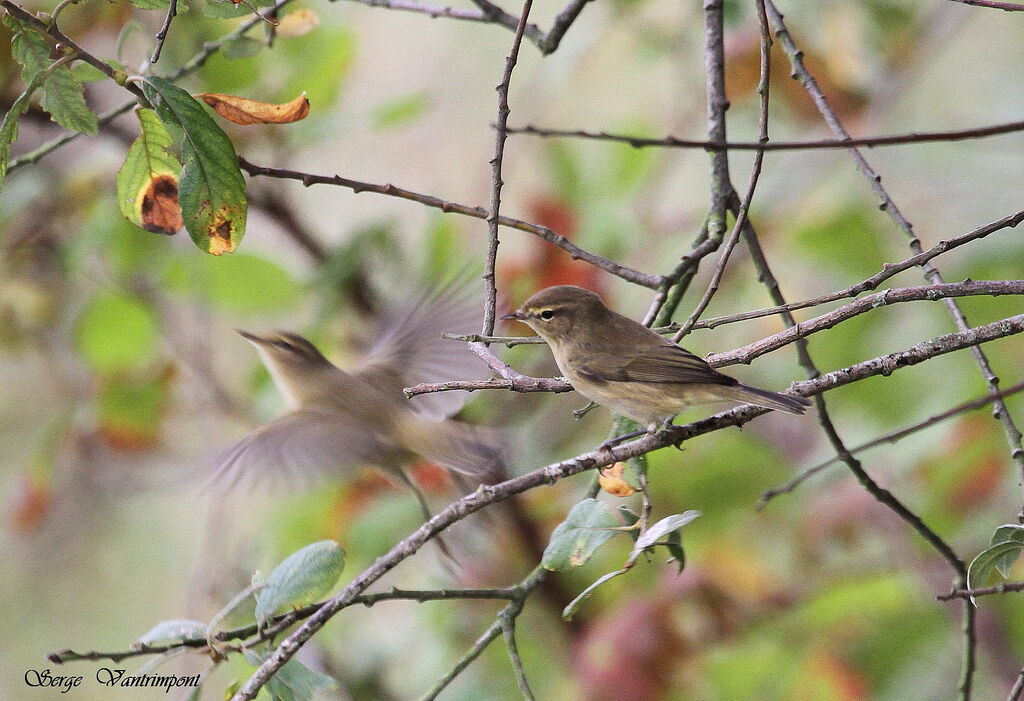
x=861 y=306
x=550 y=41
x=494 y=211
x=161 y=36
x=1002 y=588
x=532 y=581
x=1013 y=434
x=577 y=253
x=524 y=384
x=507 y=618
x=283 y=621
x=816 y=145
x=891 y=437
x=994 y=4
x=1018 y=688
x=763 y=87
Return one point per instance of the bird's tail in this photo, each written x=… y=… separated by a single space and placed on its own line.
x=791 y=404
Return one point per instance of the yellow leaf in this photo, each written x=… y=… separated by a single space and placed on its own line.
x=241 y=110
x=297 y=23
x=612 y=481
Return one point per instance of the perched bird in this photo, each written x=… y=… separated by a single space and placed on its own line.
x=618 y=363
x=339 y=420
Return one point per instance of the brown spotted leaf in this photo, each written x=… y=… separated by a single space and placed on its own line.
x=211 y=189
x=147 y=184
x=241 y=110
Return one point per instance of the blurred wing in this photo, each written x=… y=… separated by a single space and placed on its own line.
x=410 y=350
x=294 y=451
x=664 y=364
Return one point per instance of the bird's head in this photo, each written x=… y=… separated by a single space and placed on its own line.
x=555 y=312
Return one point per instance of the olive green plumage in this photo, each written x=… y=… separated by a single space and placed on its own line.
x=623 y=365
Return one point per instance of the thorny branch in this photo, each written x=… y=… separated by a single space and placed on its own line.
x=543 y=232
x=821 y=144
x=493 y=213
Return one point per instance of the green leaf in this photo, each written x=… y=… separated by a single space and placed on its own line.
x=147 y=183
x=570 y=610
x=64 y=99
x=9 y=128
x=212 y=189
x=981 y=566
x=173 y=630
x=1010 y=532
x=674 y=545
x=116 y=332
x=28 y=49
x=588 y=526
x=395 y=113
x=232 y=689
x=87 y=73
x=301 y=578
x=660 y=529
x=294 y=681
x=242 y=47
x=63 y=96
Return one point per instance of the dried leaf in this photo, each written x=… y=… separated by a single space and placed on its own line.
x=241 y=110
x=297 y=23
x=612 y=481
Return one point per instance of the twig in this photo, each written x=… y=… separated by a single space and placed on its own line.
x=763 y=87
x=161 y=36
x=550 y=41
x=532 y=581
x=525 y=384
x=1018 y=688
x=891 y=437
x=1002 y=588
x=994 y=4
x=507 y=619
x=283 y=621
x=888 y=270
x=577 y=253
x=861 y=306
x=816 y=145
x=494 y=212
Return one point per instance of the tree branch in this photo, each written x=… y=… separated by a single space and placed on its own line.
x=542 y=232
x=817 y=145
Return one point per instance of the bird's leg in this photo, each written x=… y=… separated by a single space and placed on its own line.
x=667 y=425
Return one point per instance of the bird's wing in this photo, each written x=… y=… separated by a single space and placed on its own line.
x=409 y=350
x=295 y=450
x=667 y=363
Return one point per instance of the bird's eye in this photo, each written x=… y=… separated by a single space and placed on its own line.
x=547 y=315
x=283 y=345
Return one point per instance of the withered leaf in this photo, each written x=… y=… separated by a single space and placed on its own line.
x=297 y=23
x=612 y=481
x=241 y=110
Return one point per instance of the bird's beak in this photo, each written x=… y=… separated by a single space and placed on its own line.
x=252 y=338
x=517 y=316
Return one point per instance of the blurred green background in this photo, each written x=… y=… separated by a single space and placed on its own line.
x=122 y=375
